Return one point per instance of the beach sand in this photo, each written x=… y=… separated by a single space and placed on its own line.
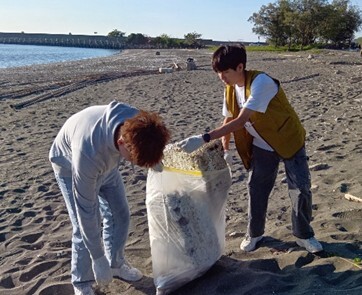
x=35 y=232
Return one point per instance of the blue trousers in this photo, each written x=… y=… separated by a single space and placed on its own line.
x=262 y=175
x=115 y=213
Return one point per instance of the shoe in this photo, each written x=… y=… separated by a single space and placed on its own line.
x=127 y=272
x=311 y=244
x=85 y=289
x=249 y=244
x=161 y=291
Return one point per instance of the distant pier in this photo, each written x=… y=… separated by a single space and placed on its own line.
x=63 y=40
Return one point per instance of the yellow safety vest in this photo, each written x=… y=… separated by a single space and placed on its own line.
x=279 y=126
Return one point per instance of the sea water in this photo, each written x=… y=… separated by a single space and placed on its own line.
x=25 y=55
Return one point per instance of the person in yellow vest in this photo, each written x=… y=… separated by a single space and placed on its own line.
x=266 y=131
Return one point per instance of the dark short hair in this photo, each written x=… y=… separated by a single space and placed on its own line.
x=228 y=57
x=145 y=136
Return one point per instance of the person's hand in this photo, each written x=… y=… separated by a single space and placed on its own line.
x=228 y=157
x=102 y=270
x=191 y=144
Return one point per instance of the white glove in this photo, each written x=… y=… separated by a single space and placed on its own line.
x=158 y=167
x=102 y=270
x=228 y=157
x=191 y=144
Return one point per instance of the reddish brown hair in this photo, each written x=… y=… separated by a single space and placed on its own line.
x=145 y=137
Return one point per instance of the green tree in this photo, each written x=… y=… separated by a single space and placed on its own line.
x=307 y=19
x=161 y=41
x=137 y=39
x=340 y=23
x=288 y=26
x=305 y=22
x=116 y=34
x=193 y=40
x=268 y=23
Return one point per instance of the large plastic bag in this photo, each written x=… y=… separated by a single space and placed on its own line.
x=186 y=218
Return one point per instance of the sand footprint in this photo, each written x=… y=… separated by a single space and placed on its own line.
x=36 y=270
x=304 y=260
x=7 y=282
x=343 y=237
x=33 y=247
x=62 y=288
x=32 y=238
x=350 y=215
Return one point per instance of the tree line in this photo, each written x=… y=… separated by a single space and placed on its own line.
x=191 y=40
x=300 y=23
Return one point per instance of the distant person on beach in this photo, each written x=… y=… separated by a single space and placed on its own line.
x=85 y=157
x=266 y=131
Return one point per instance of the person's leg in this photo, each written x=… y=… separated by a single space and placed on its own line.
x=115 y=212
x=264 y=169
x=298 y=178
x=116 y=217
x=81 y=265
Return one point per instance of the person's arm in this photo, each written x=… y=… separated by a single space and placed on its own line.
x=192 y=143
x=226 y=138
x=85 y=174
x=263 y=89
x=233 y=125
x=225 y=143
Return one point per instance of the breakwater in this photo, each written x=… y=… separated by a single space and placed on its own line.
x=69 y=40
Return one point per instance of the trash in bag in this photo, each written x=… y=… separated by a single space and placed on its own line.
x=186 y=214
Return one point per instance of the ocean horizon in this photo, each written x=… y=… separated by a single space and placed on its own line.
x=12 y=55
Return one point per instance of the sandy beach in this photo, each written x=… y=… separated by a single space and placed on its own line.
x=326 y=91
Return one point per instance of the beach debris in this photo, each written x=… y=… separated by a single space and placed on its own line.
x=176 y=66
x=343 y=188
x=353 y=262
x=165 y=70
x=209 y=157
x=353 y=198
x=236 y=234
x=233 y=234
x=318 y=167
x=172 y=67
x=314 y=187
x=296 y=79
x=190 y=64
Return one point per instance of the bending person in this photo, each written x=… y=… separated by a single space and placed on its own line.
x=85 y=157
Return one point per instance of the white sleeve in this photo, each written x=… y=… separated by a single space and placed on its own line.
x=85 y=174
x=225 y=111
x=263 y=89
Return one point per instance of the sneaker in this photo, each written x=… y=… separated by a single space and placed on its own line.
x=249 y=244
x=127 y=272
x=161 y=291
x=311 y=244
x=85 y=289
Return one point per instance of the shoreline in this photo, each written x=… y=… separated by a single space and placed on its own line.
x=325 y=91
x=52 y=57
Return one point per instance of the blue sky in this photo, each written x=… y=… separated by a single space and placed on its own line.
x=224 y=20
